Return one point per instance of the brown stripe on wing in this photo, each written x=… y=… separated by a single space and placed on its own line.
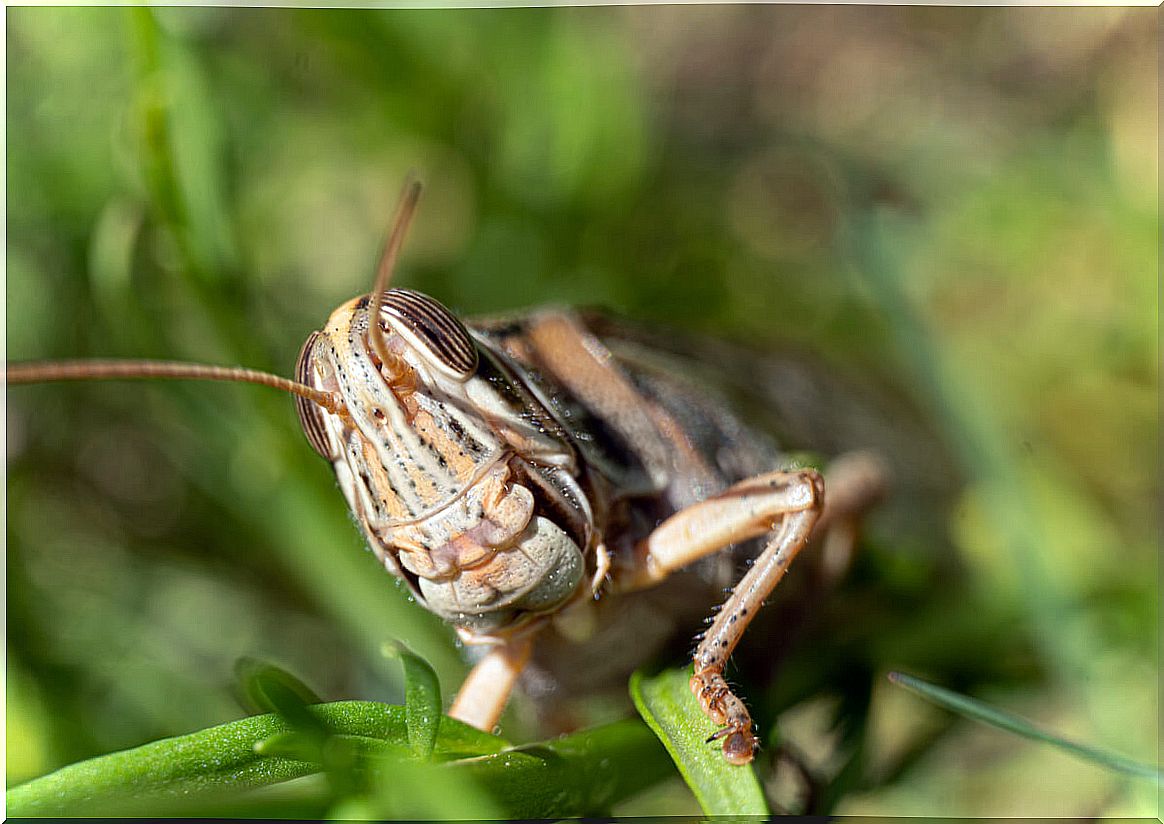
x=560 y=412
x=586 y=368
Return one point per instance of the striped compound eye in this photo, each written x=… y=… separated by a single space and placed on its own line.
x=311 y=416
x=432 y=330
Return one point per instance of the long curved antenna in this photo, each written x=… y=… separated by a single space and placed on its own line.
x=404 y=212
x=83 y=370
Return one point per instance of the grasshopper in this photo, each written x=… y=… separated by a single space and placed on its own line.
x=515 y=472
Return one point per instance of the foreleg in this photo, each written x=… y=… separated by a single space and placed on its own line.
x=486 y=690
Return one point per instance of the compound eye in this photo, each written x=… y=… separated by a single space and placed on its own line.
x=433 y=330
x=311 y=414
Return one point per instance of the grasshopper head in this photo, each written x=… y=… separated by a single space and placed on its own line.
x=444 y=461
x=429 y=450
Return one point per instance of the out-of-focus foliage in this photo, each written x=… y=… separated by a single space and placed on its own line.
x=959 y=203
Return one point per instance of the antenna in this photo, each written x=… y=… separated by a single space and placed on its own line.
x=404 y=212
x=81 y=370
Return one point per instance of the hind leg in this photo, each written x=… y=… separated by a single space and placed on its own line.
x=787 y=504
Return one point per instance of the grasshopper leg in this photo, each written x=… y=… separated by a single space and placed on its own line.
x=789 y=503
x=486 y=690
x=707 y=681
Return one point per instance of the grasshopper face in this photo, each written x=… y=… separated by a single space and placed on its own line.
x=443 y=458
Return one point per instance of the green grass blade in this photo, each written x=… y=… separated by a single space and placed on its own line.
x=972 y=708
x=665 y=702
x=222 y=759
x=422 y=698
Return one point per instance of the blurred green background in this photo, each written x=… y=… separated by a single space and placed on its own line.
x=960 y=204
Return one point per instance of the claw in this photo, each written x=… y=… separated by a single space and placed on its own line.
x=727 y=712
x=739 y=746
x=715 y=736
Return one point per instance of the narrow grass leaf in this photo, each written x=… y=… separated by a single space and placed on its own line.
x=665 y=702
x=225 y=759
x=422 y=698
x=977 y=710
